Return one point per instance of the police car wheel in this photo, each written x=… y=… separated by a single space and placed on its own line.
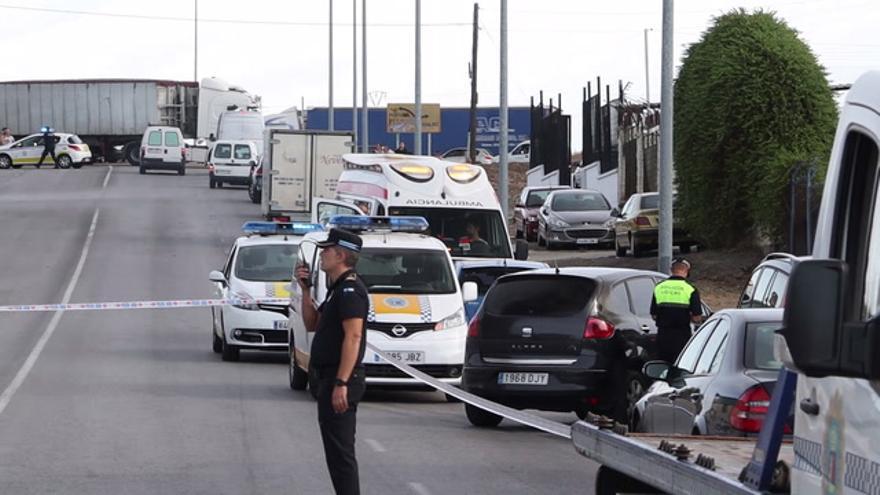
x=218 y=344
x=64 y=161
x=481 y=417
x=230 y=352
x=5 y=161
x=299 y=379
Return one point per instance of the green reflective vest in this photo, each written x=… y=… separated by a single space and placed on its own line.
x=676 y=293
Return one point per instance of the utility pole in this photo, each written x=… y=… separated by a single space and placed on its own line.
x=503 y=175
x=417 y=147
x=330 y=123
x=647 y=76
x=472 y=132
x=354 y=73
x=365 y=121
x=664 y=252
x=196 y=40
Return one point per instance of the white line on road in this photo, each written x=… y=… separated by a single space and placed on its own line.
x=107 y=177
x=375 y=445
x=53 y=323
x=419 y=488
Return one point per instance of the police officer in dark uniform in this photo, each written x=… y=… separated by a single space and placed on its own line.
x=48 y=141
x=675 y=305
x=335 y=369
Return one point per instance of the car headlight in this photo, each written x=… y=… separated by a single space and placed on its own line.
x=244 y=297
x=555 y=222
x=455 y=320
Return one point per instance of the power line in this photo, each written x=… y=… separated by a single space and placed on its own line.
x=212 y=21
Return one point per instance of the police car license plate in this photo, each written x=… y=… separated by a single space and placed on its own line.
x=523 y=378
x=281 y=324
x=408 y=357
x=588 y=241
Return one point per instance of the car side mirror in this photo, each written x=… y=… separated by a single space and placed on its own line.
x=615 y=213
x=820 y=340
x=521 y=250
x=469 y=292
x=663 y=371
x=544 y=211
x=218 y=277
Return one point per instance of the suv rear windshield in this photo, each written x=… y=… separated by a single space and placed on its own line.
x=266 y=263
x=540 y=296
x=223 y=151
x=759 y=346
x=406 y=271
x=580 y=201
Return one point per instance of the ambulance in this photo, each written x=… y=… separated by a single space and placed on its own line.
x=457 y=200
x=416 y=306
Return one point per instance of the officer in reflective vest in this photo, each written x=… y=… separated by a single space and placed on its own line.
x=675 y=305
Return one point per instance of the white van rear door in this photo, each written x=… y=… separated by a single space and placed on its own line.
x=328 y=162
x=289 y=173
x=173 y=152
x=323 y=209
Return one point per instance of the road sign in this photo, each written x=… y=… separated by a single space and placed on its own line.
x=401 y=118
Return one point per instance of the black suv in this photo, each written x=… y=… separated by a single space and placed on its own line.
x=570 y=339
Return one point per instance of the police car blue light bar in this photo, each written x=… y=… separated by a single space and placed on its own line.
x=280 y=228
x=356 y=223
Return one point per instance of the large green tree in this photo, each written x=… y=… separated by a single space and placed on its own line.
x=751 y=102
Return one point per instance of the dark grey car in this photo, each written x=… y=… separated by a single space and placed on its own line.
x=576 y=217
x=728 y=371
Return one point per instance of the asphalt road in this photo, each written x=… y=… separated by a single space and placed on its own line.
x=135 y=401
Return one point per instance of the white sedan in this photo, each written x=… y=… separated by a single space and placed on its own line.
x=70 y=151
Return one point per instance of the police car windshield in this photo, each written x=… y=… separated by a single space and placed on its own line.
x=406 y=271
x=450 y=225
x=265 y=263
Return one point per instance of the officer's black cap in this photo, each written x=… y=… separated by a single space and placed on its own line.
x=343 y=239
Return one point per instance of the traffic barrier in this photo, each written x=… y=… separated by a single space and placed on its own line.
x=175 y=304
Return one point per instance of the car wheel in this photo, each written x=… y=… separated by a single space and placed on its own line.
x=618 y=249
x=631 y=390
x=636 y=250
x=142 y=170
x=480 y=417
x=77 y=165
x=181 y=170
x=132 y=153
x=5 y=161
x=229 y=352
x=298 y=378
x=64 y=161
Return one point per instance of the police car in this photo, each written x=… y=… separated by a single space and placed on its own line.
x=259 y=266
x=69 y=150
x=416 y=306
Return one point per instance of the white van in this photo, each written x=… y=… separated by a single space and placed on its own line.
x=457 y=199
x=242 y=125
x=162 y=148
x=230 y=162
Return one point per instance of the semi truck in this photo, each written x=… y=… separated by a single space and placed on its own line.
x=829 y=344
x=110 y=115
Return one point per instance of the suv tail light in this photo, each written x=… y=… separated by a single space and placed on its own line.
x=643 y=222
x=597 y=328
x=474 y=327
x=751 y=408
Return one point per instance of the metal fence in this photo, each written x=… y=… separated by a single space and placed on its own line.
x=600 y=127
x=551 y=139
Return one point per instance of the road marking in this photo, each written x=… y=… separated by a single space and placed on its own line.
x=375 y=445
x=107 y=177
x=31 y=360
x=418 y=488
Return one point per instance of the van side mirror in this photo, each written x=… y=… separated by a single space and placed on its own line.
x=521 y=250
x=820 y=340
x=469 y=292
x=663 y=371
x=218 y=277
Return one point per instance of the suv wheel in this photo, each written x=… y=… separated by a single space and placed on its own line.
x=299 y=379
x=64 y=161
x=480 y=417
x=229 y=352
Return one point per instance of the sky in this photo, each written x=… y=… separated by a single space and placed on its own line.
x=279 y=49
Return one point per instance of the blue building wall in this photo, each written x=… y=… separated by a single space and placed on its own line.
x=454 y=123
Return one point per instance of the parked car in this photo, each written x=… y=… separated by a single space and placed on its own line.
x=722 y=381
x=521 y=153
x=575 y=217
x=525 y=214
x=567 y=339
x=255 y=184
x=484 y=273
x=635 y=229
x=769 y=282
x=162 y=148
x=230 y=162
x=459 y=155
x=69 y=150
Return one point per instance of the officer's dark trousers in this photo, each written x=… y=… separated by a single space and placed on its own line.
x=48 y=151
x=338 y=430
x=670 y=342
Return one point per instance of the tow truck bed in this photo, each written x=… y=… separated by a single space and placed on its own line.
x=638 y=456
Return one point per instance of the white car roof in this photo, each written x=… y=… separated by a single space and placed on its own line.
x=235 y=141
x=398 y=240
x=264 y=240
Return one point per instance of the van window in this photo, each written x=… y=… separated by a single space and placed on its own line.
x=223 y=150
x=242 y=152
x=155 y=138
x=406 y=271
x=540 y=296
x=171 y=139
x=450 y=226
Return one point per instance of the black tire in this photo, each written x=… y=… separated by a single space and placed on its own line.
x=299 y=379
x=618 y=250
x=481 y=418
x=218 y=343
x=132 y=153
x=230 y=352
x=630 y=390
x=142 y=170
x=636 y=250
x=181 y=170
x=685 y=248
x=16 y=165
x=76 y=165
x=611 y=482
x=64 y=161
x=5 y=162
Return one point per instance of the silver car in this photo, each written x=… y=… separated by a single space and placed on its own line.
x=576 y=217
